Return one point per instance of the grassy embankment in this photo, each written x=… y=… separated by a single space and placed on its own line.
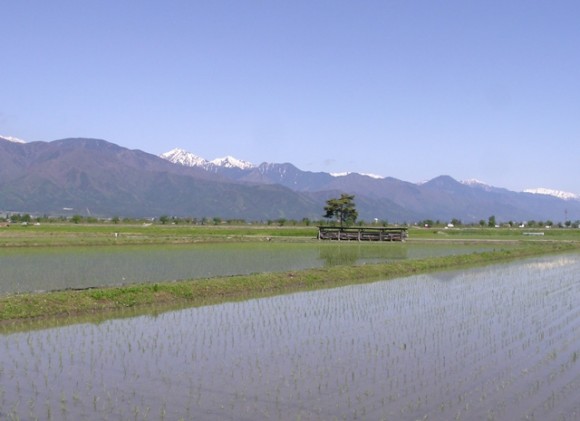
x=56 y=235
x=214 y=290
x=67 y=234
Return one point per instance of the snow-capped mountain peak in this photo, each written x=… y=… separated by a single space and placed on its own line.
x=556 y=193
x=231 y=162
x=12 y=139
x=182 y=157
x=375 y=176
x=343 y=174
x=472 y=182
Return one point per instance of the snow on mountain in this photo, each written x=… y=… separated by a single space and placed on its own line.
x=344 y=174
x=12 y=139
x=556 y=193
x=549 y=192
x=378 y=177
x=231 y=162
x=472 y=182
x=182 y=157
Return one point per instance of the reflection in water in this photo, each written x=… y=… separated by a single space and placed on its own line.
x=499 y=342
x=561 y=261
x=45 y=269
x=351 y=254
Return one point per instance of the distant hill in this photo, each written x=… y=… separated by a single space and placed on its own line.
x=442 y=198
x=92 y=176
x=99 y=178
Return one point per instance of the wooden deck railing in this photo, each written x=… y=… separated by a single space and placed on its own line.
x=362 y=233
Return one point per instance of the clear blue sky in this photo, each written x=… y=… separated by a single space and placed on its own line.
x=409 y=89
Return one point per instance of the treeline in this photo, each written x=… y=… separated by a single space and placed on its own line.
x=25 y=218
x=492 y=223
x=18 y=218
x=165 y=219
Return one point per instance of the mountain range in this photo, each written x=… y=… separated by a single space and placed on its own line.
x=96 y=177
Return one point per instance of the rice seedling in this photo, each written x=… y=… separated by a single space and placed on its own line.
x=495 y=342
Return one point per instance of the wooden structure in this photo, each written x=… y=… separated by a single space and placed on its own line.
x=362 y=233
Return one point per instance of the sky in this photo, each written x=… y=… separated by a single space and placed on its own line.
x=474 y=89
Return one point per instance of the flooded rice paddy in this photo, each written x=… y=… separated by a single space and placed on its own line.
x=45 y=269
x=495 y=343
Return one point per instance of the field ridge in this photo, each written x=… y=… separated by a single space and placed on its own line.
x=163 y=295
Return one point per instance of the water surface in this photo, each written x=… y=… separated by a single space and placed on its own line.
x=500 y=342
x=42 y=269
